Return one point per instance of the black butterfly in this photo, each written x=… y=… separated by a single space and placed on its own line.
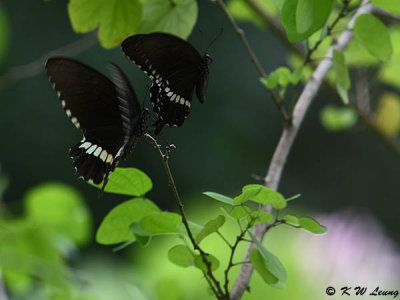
x=108 y=113
x=176 y=69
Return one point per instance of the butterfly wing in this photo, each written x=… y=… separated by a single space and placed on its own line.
x=101 y=109
x=175 y=67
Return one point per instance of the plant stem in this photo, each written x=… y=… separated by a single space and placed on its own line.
x=214 y=283
x=288 y=136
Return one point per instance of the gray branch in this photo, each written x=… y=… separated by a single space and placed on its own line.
x=288 y=136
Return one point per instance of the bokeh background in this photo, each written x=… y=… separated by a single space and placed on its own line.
x=348 y=178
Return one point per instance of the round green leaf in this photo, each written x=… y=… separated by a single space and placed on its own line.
x=337 y=118
x=293 y=220
x=374 y=36
x=198 y=261
x=257 y=261
x=304 y=15
x=116 y=19
x=161 y=223
x=115 y=226
x=60 y=208
x=181 y=256
x=260 y=194
x=261 y=217
x=211 y=227
x=311 y=225
x=239 y=212
x=128 y=181
x=167 y=16
x=320 y=12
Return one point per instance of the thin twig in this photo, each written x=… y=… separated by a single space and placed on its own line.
x=36 y=67
x=288 y=136
x=216 y=287
x=254 y=59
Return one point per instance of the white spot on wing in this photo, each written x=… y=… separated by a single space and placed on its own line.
x=91 y=149
x=177 y=98
x=169 y=94
x=97 y=152
x=63 y=103
x=167 y=89
x=68 y=112
x=182 y=101
x=85 y=145
x=173 y=97
x=109 y=158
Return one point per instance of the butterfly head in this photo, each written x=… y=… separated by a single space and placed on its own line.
x=207 y=58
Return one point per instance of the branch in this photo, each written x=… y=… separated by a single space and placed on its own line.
x=215 y=286
x=36 y=67
x=279 y=32
x=288 y=136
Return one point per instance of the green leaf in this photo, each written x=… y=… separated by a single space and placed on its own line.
x=61 y=209
x=293 y=197
x=311 y=225
x=260 y=194
x=272 y=263
x=271 y=82
x=260 y=217
x=337 y=118
x=297 y=74
x=198 y=261
x=115 y=226
x=285 y=76
x=116 y=19
x=257 y=260
x=167 y=16
x=390 y=5
x=128 y=181
x=342 y=75
x=304 y=15
x=374 y=36
x=219 y=197
x=289 y=17
x=141 y=236
x=161 y=223
x=211 y=227
x=239 y=212
x=181 y=255
x=243 y=12
x=292 y=220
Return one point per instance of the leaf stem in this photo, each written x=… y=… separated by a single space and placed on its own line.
x=214 y=283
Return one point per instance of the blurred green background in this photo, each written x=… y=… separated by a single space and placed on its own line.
x=222 y=143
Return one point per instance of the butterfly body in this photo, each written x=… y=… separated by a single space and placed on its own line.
x=107 y=112
x=176 y=69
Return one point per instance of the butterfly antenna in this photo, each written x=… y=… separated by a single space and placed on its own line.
x=215 y=39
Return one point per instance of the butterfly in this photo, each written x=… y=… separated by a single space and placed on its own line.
x=107 y=112
x=176 y=69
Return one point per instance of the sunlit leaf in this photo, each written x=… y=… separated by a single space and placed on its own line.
x=166 y=16
x=320 y=12
x=374 y=36
x=311 y=225
x=304 y=15
x=239 y=212
x=257 y=260
x=128 y=181
x=115 y=226
x=211 y=227
x=272 y=263
x=260 y=194
x=142 y=236
x=387 y=114
x=337 y=118
x=293 y=220
x=61 y=209
x=116 y=19
x=219 y=197
x=161 y=223
x=260 y=217
x=181 y=256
